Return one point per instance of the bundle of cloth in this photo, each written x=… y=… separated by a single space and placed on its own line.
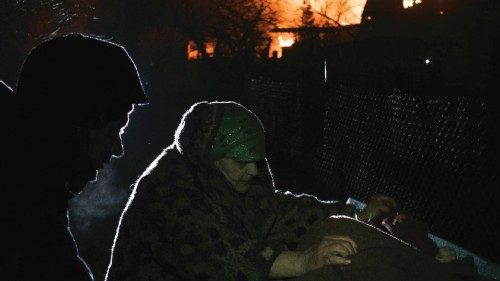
x=382 y=256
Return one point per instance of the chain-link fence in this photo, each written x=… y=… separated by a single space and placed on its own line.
x=437 y=156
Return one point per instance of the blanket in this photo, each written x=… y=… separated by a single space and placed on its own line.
x=381 y=257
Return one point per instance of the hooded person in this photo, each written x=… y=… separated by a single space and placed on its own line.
x=207 y=208
x=73 y=98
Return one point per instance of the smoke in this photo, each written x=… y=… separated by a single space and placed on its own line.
x=94 y=215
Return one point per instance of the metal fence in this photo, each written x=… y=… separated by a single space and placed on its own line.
x=437 y=156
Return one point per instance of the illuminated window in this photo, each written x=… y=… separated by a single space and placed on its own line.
x=279 y=42
x=286 y=41
x=410 y=3
x=194 y=53
x=210 y=49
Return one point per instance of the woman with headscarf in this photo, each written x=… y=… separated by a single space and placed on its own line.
x=207 y=209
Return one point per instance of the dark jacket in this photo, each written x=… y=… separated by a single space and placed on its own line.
x=68 y=86
x=183 y=221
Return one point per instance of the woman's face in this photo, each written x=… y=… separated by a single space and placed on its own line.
x=239 y=174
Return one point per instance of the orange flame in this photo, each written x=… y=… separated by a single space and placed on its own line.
x=210 y=49
x=410 y=3
x=280 y=42
x=286 y=41
x=325 y=12
x=290 y=12
x=193 y=52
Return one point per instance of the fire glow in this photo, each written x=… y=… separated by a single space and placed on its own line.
x=410 y=3
x=325 y=13
x=285 y=41
x=194 y=53
x=290 y=14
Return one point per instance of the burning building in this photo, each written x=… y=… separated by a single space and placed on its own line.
x=293 y=14
x=289 y=17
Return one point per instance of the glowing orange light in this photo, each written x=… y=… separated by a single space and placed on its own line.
x=441 y=12
x=286 y=42
x=193 y=52
x=279 y=42
x=410 y=3
x=407 y=3
x=326 y=13
x=290 y=12
x=275 y=50
x=210 y=49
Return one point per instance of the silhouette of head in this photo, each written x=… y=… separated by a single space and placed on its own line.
x=76 y=92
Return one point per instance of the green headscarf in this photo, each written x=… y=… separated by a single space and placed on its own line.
x=240 y=135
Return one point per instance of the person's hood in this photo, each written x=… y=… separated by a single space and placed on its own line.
x=210 y=131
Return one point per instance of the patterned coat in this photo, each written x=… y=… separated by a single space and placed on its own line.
x=184 y=221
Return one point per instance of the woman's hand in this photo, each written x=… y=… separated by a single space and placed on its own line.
x=379 y=204
x=333 y=249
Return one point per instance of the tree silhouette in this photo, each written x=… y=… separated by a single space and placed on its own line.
x=238 y=27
